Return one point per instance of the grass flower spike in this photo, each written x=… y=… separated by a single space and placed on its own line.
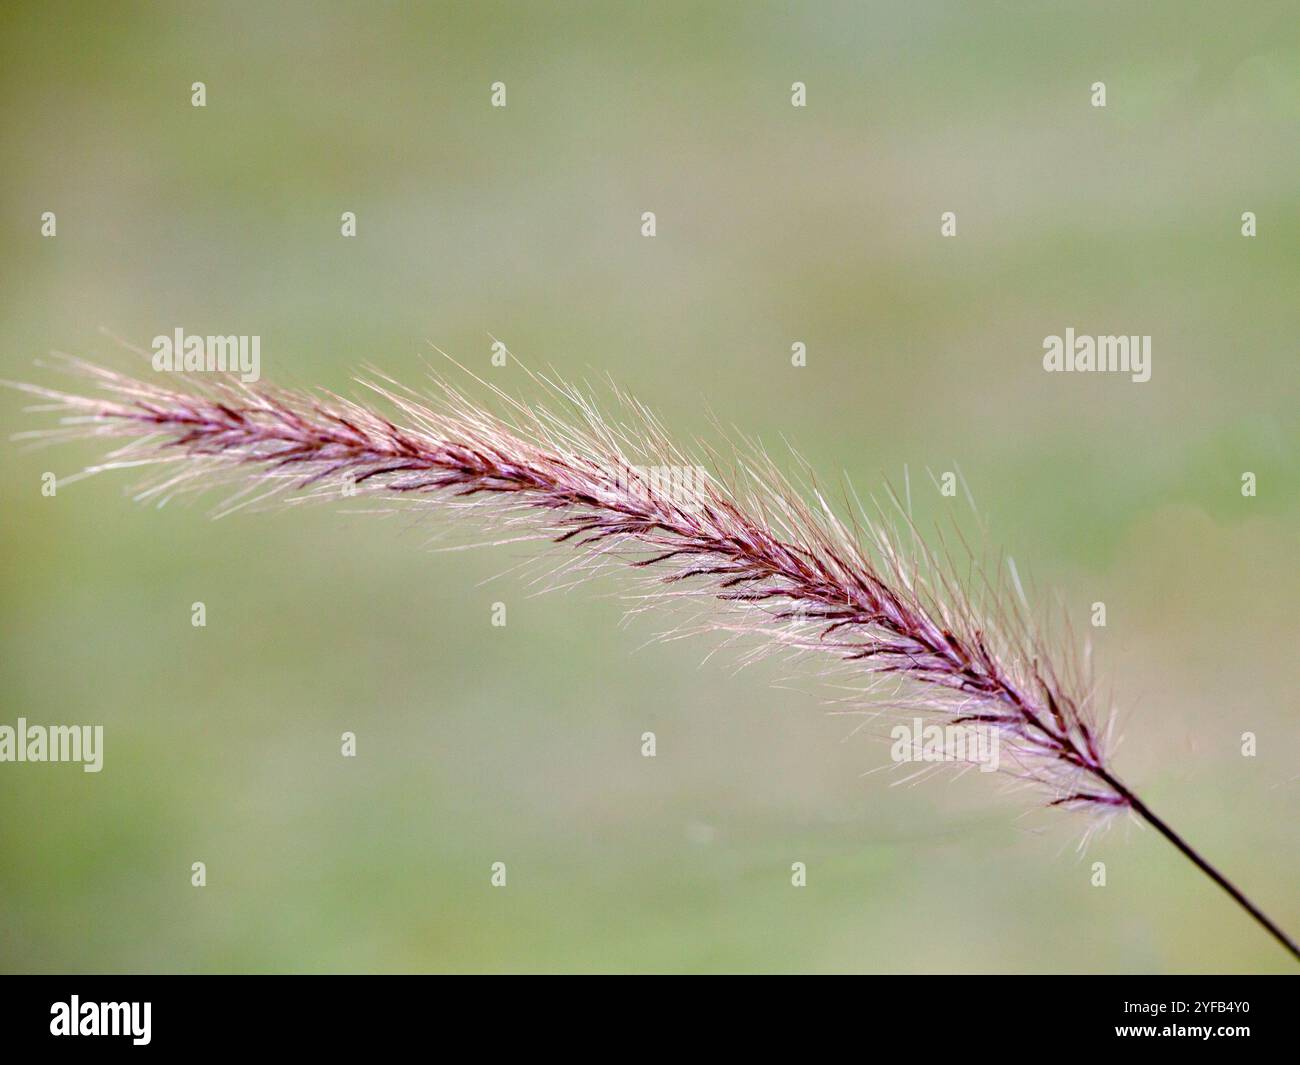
x=761 y=558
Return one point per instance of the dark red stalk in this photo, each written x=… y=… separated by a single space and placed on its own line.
x=1145 y=812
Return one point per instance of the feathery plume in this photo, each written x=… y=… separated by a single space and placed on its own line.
x=767 y=559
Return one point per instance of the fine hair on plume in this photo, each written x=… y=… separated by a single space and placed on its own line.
x=759 y=556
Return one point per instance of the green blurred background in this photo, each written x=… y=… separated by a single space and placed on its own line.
x=775 y=225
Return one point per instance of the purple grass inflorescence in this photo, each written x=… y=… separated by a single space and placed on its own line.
x=778 y=560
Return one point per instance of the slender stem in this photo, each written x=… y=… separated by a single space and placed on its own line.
x=1144 y=811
